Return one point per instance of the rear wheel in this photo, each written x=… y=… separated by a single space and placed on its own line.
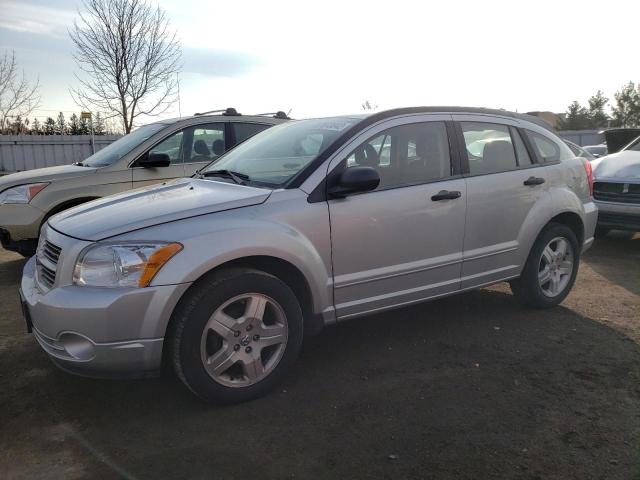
x=551 y=268
x=235 y=335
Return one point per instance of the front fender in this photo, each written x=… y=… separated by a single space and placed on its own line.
x=212 y=240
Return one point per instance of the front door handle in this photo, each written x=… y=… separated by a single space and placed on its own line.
x=445 y=195
x=534 y=181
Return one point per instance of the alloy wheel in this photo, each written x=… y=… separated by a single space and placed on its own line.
x=555 y=267
x=244 y=340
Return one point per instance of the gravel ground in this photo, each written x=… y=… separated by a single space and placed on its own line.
x=473 y=386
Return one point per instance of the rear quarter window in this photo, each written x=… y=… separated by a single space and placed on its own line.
x=549 y=150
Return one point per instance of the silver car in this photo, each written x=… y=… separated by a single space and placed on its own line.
x=307 y=224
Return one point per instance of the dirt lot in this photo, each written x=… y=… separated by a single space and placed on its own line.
x=473 y=386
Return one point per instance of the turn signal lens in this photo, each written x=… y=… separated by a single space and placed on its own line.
x=156 y=261
x=589 y=170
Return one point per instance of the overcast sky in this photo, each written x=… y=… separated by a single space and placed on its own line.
x=328 y=57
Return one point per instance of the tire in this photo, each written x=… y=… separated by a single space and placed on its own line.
x=601 y=232
x=528 y=289
x=235 y=360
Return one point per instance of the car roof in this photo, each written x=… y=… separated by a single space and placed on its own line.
x=226 y=118
x=453 y=109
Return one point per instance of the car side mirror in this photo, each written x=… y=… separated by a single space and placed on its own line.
x=154 y=160
x=355 y=180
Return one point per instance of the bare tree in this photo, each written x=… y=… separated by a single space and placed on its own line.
x=128 y=57
x=18 y=96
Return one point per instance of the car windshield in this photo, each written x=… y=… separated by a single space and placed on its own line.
x=274 y=156
x=118 y=149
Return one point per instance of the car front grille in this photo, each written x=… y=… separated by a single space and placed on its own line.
x=617 y=192
x=47 y=257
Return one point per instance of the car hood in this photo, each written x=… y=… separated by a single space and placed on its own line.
x=145 y=207
x=623 y=165
x=48 y=174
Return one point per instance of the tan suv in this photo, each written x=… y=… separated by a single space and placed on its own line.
x=151 y=154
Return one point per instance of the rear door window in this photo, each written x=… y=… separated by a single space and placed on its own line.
x=207 y=143
x=490 y=148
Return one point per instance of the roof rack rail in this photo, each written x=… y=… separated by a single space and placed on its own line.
x=231 y=112
x=279 y=114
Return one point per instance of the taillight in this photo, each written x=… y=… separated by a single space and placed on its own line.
x=589 y=170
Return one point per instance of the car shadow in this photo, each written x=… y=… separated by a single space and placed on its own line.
x=472 y=386
x=616 y=257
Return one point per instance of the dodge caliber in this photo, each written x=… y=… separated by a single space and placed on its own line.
x=306 y=224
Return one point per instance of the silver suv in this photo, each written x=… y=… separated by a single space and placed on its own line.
x=306 y=224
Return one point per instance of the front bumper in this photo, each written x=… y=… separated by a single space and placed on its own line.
x=619 y=216
x=100 y=332
x=21 y=221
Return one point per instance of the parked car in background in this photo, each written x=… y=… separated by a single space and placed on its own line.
x=597 y=150
x=617 y=189
x=306 y=224
x=150 y=154
x=578 y=151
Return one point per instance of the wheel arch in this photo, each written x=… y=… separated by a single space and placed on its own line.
x=74 y=202
x=282 y=269
x=571 y=220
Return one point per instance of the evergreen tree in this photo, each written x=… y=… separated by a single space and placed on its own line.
x=35 y=127
x=577 y=117
x=49 y=126
x=597 y=115
x=74 y=125
x=84 y=127
x=98 y=125
x=61 y=125
x=626 y=111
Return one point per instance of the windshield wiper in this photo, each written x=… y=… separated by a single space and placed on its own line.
x=239 y=178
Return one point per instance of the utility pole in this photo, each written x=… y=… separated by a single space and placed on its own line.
x=88 y=116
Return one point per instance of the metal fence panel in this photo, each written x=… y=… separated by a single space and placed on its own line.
x=26 y=152
x=582 y=137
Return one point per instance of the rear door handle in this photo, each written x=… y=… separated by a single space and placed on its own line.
x=534 y=181
x=445 y=195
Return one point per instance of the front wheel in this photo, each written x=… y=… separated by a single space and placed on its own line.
x=235 y=335
x=551 y=268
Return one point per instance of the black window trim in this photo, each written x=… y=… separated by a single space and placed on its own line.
x=232 y=131
x=320 y=194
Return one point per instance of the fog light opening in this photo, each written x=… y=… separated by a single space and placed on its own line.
x=77 y=346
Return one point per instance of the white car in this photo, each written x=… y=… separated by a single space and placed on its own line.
x=616 y=190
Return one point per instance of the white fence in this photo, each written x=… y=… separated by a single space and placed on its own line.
x=25 y=152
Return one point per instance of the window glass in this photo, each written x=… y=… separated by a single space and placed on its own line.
x=521 y=151
x=247 y=130
x=280 y=152
x=489 y=147
x=547 y=149
x=171 y=146
x=634 y=145
x=208 y=142
x=121 y=147
x=406 y=155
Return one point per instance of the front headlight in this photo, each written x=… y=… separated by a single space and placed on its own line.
x=21 y=193
x=122 y=264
